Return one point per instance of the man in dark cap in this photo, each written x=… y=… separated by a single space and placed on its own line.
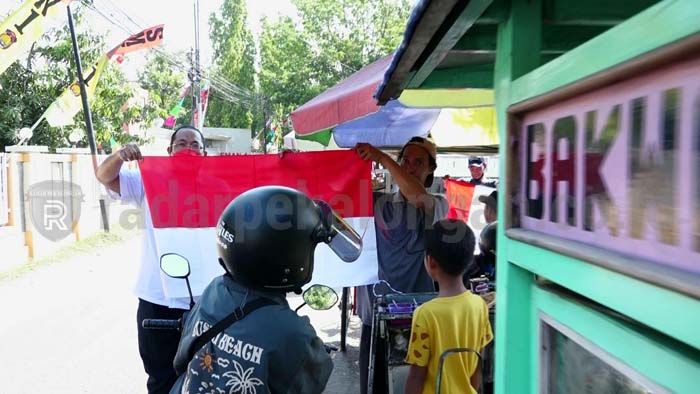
x=477 y=166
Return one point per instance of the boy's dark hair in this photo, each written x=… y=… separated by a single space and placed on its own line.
x=183 y=127
x=451 y=243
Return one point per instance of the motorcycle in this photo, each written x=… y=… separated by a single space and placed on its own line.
x=341 y=238
x=177 y=267
x=317 y=297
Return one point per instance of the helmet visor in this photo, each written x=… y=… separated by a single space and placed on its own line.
x=343 y=239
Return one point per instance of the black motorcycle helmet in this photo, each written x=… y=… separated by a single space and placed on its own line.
x=487 y=242
x=266 y=238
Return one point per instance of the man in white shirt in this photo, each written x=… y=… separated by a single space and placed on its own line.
x=157 y=348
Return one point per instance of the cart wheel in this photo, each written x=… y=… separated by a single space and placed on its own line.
x=345 y=313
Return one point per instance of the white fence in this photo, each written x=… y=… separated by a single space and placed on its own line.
x=20 y=237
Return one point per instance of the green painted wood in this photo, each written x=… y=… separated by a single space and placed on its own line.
x=657 y=26
x=527 y=31
x=560 y=38
x=658 y=358
x=548 y=57
x=496 y=13
x=565 y=37
x=478 y=38
x=513 y=352
x=518 y=43
x=626 y=295
x=475 y=76
x=593 y=10
x=455 y=31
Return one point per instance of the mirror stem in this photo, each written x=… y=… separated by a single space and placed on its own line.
x=189 y=290
x=299 y=307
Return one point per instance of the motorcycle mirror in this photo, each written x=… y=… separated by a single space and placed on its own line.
x=175 y=266
x=320 y=297
x=344 y=240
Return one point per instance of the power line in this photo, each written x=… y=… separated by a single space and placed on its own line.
x=226 y=89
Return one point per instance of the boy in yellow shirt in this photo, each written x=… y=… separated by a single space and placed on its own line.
x=456 y=318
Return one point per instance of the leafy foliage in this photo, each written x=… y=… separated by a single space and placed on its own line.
x=164 y=84
x=349 y=34
x=30 y=86
x=298 y=59
x=320 y=297
x=331 y=40
x=234 y=52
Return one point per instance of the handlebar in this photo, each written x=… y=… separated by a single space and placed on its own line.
x=161 y=324
x=330 y=348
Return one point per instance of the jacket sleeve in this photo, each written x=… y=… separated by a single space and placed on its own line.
x=314 y=371
x=182 y=357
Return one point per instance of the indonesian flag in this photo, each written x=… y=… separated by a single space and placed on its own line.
x=464 y=204
x=186 y=196
x=460 y=197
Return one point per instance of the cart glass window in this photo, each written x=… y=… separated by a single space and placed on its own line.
x=571 y=364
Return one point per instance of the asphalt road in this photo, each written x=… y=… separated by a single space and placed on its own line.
x=70 y=328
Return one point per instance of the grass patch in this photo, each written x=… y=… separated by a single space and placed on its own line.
x=84 y=246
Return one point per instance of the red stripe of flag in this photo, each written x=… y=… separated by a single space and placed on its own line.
x=459 y=197
x=192 y=191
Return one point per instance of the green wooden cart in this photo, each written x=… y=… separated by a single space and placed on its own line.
x=598 y=106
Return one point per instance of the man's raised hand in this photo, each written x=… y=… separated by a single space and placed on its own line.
x=130 y=152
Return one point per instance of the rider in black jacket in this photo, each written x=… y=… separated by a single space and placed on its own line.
x=266 y=239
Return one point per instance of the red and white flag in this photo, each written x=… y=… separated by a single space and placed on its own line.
x=460 y=197
x=187 y=195
x=464 y=204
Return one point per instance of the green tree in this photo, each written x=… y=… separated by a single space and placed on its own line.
x=286 y=75
x=164 y=83
x=331 y=40
x=23 y=98
x=31 y=84
x=112 y=107
x=350 y=34
x=234 y=53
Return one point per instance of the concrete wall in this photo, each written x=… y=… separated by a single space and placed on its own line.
x=226 y=140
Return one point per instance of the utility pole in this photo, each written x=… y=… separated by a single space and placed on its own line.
x=192 y=76
x=86 y=110
x=263 y=105
x=196 y=78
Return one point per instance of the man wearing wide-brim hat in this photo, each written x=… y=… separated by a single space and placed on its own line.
x=400 y=219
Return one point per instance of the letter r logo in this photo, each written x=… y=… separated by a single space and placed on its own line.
x=55 y=214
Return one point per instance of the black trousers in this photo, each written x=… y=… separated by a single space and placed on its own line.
x=158 y=347
x=379 y=385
